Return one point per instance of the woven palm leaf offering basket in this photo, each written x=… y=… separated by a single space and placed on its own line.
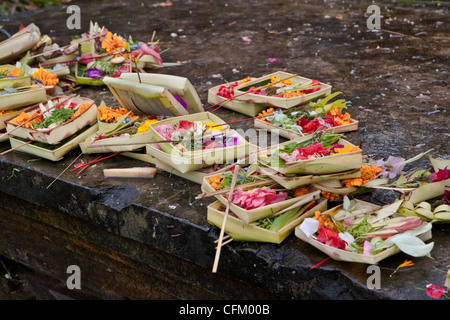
x=53 y=152
x=357 y=231
x=14 y=98
x=19 y=43
x=323 y=153
x=255 y=196
x=13 y=77
x=104 y=54
x=308 y=119
x=202 y=139
x=54 y=120
x=281 y=89
x=222 y=95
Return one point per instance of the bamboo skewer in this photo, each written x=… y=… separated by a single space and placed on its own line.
x=15 y=148
x=64 y=171
x=152 y=142
x=84 y=168
x=247 y=185
x=222 y=230
x=302 y=202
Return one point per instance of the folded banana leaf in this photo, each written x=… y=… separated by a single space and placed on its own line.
x=155 y=94
x=19 y=43
x=53 y=152
x=16 y=82
x=23 y=97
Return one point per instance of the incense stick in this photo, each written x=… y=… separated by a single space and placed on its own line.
x=64 y=171
x=222 y=230
x=95 y=161
x=17 y=147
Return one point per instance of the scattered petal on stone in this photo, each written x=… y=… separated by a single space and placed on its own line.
x=247 y=40
x=271 y=60
x=434 y=291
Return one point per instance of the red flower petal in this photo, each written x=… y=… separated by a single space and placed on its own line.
x=434 y=291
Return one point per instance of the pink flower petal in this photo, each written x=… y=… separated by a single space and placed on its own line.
x=434 y=291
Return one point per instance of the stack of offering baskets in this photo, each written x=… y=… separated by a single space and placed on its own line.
x=196 y=141
x=54 y=127
x=259 y=210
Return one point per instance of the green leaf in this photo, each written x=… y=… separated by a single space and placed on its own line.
x=24 y=64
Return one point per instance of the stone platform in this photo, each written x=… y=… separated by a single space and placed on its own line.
x=149 y=239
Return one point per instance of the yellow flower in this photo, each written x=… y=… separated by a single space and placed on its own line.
x=331 y=196
x=245 y=80
x=367 y=173
x=301 y=191
x=83 y=107
x=15 y=72
x=340 y=118
x=212 y=126
x=289 y=94
x=109 y=115
x=264 y=113
x=346 y=149
x=215 y=182
x=113 y=42
x=46 y=77
x=274 y=79
x=145 y=126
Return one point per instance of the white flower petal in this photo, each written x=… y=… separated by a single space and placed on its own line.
x=309 y=226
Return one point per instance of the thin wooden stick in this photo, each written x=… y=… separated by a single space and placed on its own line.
x=62 y=48
x=64 y=171
x=247 y=185
x=17 y=147
x=300 y=203
x=313 y=267
x=224 y=238
x=226 y=242
x=227 y=210
x=152 y=142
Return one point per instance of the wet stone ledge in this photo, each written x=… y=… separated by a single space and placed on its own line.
x=150 y=239
x=129 y=247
